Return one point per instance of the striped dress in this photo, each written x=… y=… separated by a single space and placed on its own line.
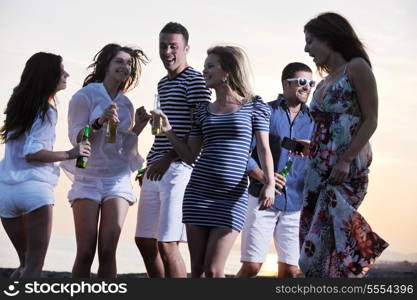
x=217 y=192
x=177 y=97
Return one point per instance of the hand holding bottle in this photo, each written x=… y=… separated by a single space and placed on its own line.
x=112 y=120
x=156 y=120
x=110 y=113
x=165 y=125
x=81 y=149
x=281 y=176
x=280 y=182
x=84 y=147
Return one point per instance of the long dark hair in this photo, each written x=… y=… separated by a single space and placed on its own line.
x=335 y=30
x=32 y=96
x=102 y=60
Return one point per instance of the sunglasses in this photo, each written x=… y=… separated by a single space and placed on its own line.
x=303 y=81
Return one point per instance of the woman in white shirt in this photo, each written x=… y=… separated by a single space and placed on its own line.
x=104 y=187
x=27 y=172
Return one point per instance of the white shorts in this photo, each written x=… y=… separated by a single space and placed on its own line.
x=22 y=198
x=102 y=189
x=261 y=225
x=160 y=205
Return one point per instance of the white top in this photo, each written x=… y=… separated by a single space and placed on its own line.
x=106 y=160
x=15 y=169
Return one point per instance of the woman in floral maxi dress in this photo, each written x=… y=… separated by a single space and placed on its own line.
x=335 y=239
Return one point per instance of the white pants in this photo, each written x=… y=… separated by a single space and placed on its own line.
x=261 y=225
x=23 y=198
x=160 y=205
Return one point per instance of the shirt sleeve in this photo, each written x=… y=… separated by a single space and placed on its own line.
x=252 y=164
x=40 y=134
x=78 y=115
x=261 y=115
x=197 y=91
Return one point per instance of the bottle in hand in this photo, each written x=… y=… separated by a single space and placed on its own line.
x=139 y=175
x=82 y=160
x=285 y=171
x=111 y=132
x=156 y=120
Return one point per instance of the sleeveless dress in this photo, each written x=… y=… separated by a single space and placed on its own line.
x=335 y=239
x=216 y=194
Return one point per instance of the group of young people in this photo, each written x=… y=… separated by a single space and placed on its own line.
x=195 y=188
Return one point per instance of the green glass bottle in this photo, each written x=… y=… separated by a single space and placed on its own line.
x=139 y=175
x=82 y=160
x=286 y=170
x=156 y=119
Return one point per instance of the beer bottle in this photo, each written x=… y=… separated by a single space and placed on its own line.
x=156 y=120
x=111 y=131
x=82 y=160
x=139 y=175
x=285 y=171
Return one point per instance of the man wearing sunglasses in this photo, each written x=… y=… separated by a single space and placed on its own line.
x=290 y=118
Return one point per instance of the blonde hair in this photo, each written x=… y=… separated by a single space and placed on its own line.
x=234 y=62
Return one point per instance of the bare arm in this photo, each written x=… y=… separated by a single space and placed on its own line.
x=45 y=156
x=363 y=80
x=187 y=149
x=267 y=194
x=158 y=168
x=257 y=174
x=109 y=113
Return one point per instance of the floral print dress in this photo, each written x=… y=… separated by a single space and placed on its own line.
x=335 y=239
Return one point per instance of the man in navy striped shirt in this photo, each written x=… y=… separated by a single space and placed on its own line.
x=159 y=225
x=290 y=118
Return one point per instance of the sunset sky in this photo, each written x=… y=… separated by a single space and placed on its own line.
x=272 y=34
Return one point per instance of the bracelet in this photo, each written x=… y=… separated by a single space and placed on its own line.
x=96 y=125
x=70 y=156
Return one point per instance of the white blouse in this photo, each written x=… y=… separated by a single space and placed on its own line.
x=106 y=160
x=15 y=169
